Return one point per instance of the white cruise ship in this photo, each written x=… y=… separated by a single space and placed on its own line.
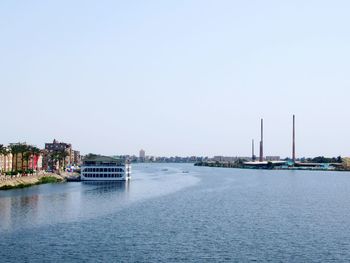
x=103 y=168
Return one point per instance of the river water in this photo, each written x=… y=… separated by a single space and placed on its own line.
x=166 y=215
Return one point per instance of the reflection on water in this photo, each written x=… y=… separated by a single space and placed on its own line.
x=74 y=201
x=106 y=186
x=44 y=206
x=227 y=215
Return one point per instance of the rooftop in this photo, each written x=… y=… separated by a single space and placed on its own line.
x=101 y=159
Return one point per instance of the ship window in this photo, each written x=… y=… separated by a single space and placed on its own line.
x=105 y=169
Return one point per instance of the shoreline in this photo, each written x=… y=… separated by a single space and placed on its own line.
x=271 y=169
x=31 y=180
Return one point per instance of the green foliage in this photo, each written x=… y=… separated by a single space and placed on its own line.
x=48 y=179
x=322 y=159
x=6 y=187
x=10 y=173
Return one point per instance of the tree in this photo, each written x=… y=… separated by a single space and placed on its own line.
x=26 y=157
x=54 y=156
x=23 y=149
x=34 y=152
x=15 y=149
x=62 y=156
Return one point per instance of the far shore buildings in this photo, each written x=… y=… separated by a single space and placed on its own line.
x=142 y=155
x=346 y=162
x=272 y=158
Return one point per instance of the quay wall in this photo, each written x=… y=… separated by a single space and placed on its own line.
x=13 y=182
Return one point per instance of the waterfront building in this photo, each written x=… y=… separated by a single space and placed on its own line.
x=104 y=168
x=5 y=162
x=59 y=153
x=24 y=157
x=35 y=162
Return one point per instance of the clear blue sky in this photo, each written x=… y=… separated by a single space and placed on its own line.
x=176 y=77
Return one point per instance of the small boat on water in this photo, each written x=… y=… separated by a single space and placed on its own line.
x=185 y=172
x=73 y=179
x=164 y=170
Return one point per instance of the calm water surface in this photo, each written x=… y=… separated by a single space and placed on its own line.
x=165 y=215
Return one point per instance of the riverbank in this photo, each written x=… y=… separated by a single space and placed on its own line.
x=27 y=181
x=274 y=166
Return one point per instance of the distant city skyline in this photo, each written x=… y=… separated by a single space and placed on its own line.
x=173 y=78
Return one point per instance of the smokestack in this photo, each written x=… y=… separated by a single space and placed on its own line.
x=293 y=154
x=253 y=155
x=261 y=158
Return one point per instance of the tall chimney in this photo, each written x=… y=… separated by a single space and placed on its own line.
x=261 y=157
x=253 y=155
x=293 y=154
